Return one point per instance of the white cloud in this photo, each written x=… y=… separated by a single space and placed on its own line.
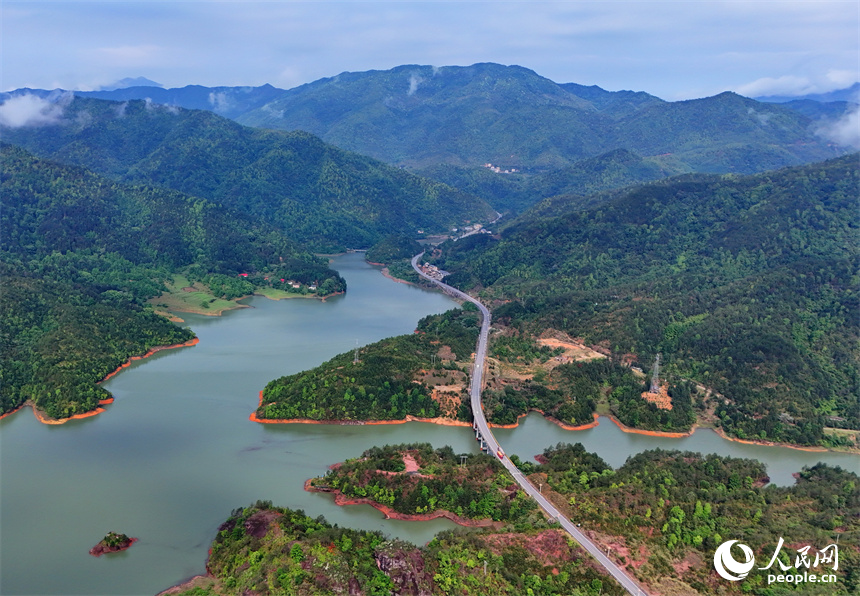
x=32 y=110
x=791 y=85
x=414 y=82
x=784 y=85
x=843 y=78
x=219 y=101
x=845 y=131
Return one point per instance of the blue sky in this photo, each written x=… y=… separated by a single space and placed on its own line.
x=676 y=50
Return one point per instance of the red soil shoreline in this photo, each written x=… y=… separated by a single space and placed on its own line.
x=45 y=419
x=447 y=422
x=652 y=433
x=389 y=513
x=192 y=342
x=387 y=274
x=409 y=418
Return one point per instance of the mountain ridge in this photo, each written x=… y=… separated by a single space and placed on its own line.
x=328 y=197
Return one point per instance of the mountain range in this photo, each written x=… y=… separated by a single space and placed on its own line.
x=509 y=116
x=322 y=196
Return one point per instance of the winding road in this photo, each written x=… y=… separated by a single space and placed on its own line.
x=492 y=445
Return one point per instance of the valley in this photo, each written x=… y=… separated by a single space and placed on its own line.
x=601 y=231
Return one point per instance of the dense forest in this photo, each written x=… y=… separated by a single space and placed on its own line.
x=517 y=191
x=474 y=487
x=744 y=284
x=510 y=116
x=570 y=392
x=325 y=198
x=393 y=247
x=59 y=338
x=666 y=512
x=263 y=549
x=81 y=255
x=425 y=374
x=381 y=385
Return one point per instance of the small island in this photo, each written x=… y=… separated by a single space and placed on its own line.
x=112 y=543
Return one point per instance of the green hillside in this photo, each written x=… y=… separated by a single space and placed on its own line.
x=321 y=196
x=515 y=192
x=81 y=254
x=660 y=516
x=420 y=115
x=423 y=116
x=263 y=550
x=744 y=284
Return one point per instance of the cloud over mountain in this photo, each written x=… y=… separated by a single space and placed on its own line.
x=32 y=110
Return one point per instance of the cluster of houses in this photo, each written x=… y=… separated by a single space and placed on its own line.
x=499 y=170
x=290 y=282
x=433 y=271
x=469 y=230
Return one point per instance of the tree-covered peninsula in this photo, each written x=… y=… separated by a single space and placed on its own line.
x=262 y=549
x=660 y=516
x=426 y=375
x=81 y=256
x=415 y=479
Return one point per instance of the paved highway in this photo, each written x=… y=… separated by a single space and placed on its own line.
x=493 y=446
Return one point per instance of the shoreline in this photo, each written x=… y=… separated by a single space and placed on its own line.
x=386 y=273
x=555 y=421
x=409 y=418
x=289 y=297
x=595 y=423
x=150 y=352
x=652 y=433
x=389 y=513
x=42 y=417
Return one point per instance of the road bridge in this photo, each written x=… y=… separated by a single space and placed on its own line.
x=491 y=445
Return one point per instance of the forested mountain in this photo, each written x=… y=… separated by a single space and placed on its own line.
x=229 y=102
x=81 y=254
x=745 y=284
x=616 y=104
x=448 y=122
x=319 y=195
x=515 y=192
x=510 y=116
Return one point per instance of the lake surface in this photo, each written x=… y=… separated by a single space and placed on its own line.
x=175 y=453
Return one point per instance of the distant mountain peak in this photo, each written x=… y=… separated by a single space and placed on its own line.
x=131 y=82
x=851 y=94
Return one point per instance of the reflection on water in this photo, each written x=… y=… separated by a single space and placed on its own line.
x=175 y=453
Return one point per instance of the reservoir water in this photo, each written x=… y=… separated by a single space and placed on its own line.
x=175 y=453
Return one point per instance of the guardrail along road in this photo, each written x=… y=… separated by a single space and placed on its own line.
x=490 y=444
